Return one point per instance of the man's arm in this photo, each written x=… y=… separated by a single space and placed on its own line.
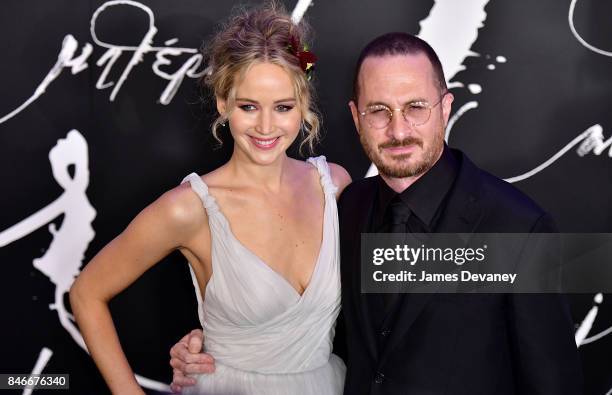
x=546 y=358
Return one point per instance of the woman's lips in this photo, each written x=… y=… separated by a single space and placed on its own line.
x=265 y=144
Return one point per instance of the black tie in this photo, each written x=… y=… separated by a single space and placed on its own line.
x=399 y=213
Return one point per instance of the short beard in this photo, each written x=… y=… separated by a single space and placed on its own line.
x=401 y=169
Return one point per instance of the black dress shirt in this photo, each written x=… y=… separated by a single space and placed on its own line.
x=425 y=198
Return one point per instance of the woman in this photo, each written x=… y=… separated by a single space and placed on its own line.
x=260 y=232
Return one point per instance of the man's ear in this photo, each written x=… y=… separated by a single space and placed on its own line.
x=355 y=114
x=221 y=106
x=447 y=100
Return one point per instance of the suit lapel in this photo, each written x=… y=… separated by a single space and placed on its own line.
x=462 y=214
x=363 y=214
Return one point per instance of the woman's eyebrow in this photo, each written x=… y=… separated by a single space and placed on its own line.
x=245 y=99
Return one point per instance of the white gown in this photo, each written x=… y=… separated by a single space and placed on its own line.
x=264 y=336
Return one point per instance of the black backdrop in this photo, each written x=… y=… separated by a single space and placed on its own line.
x=79 y=159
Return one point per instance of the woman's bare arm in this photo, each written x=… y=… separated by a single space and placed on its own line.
x=165 y=225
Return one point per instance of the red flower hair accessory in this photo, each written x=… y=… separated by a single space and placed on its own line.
x=307 y=59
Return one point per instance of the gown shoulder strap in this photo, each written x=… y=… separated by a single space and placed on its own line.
x=320 y=162
x=201 y=189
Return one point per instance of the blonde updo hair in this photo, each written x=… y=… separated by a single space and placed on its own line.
x=253 y=36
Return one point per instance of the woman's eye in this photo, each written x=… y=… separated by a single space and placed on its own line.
x=284 y=108
x=248 y=107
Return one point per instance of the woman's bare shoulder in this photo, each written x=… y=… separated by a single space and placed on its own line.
x=340 y=177
x=181 y=209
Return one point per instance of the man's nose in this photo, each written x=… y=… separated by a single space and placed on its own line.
x=399 y=128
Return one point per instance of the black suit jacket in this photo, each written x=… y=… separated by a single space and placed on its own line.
x=457 y=343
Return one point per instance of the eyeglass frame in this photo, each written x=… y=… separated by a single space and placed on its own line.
x=393 y=110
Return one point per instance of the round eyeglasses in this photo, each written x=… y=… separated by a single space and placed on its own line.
x=416 y=113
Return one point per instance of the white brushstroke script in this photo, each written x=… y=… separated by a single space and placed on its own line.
x=66 y=59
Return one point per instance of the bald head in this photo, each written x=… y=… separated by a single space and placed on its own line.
x=399 y=43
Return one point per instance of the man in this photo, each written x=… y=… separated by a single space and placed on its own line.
x=432 y=343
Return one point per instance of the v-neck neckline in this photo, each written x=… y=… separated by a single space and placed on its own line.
x=262 y=262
